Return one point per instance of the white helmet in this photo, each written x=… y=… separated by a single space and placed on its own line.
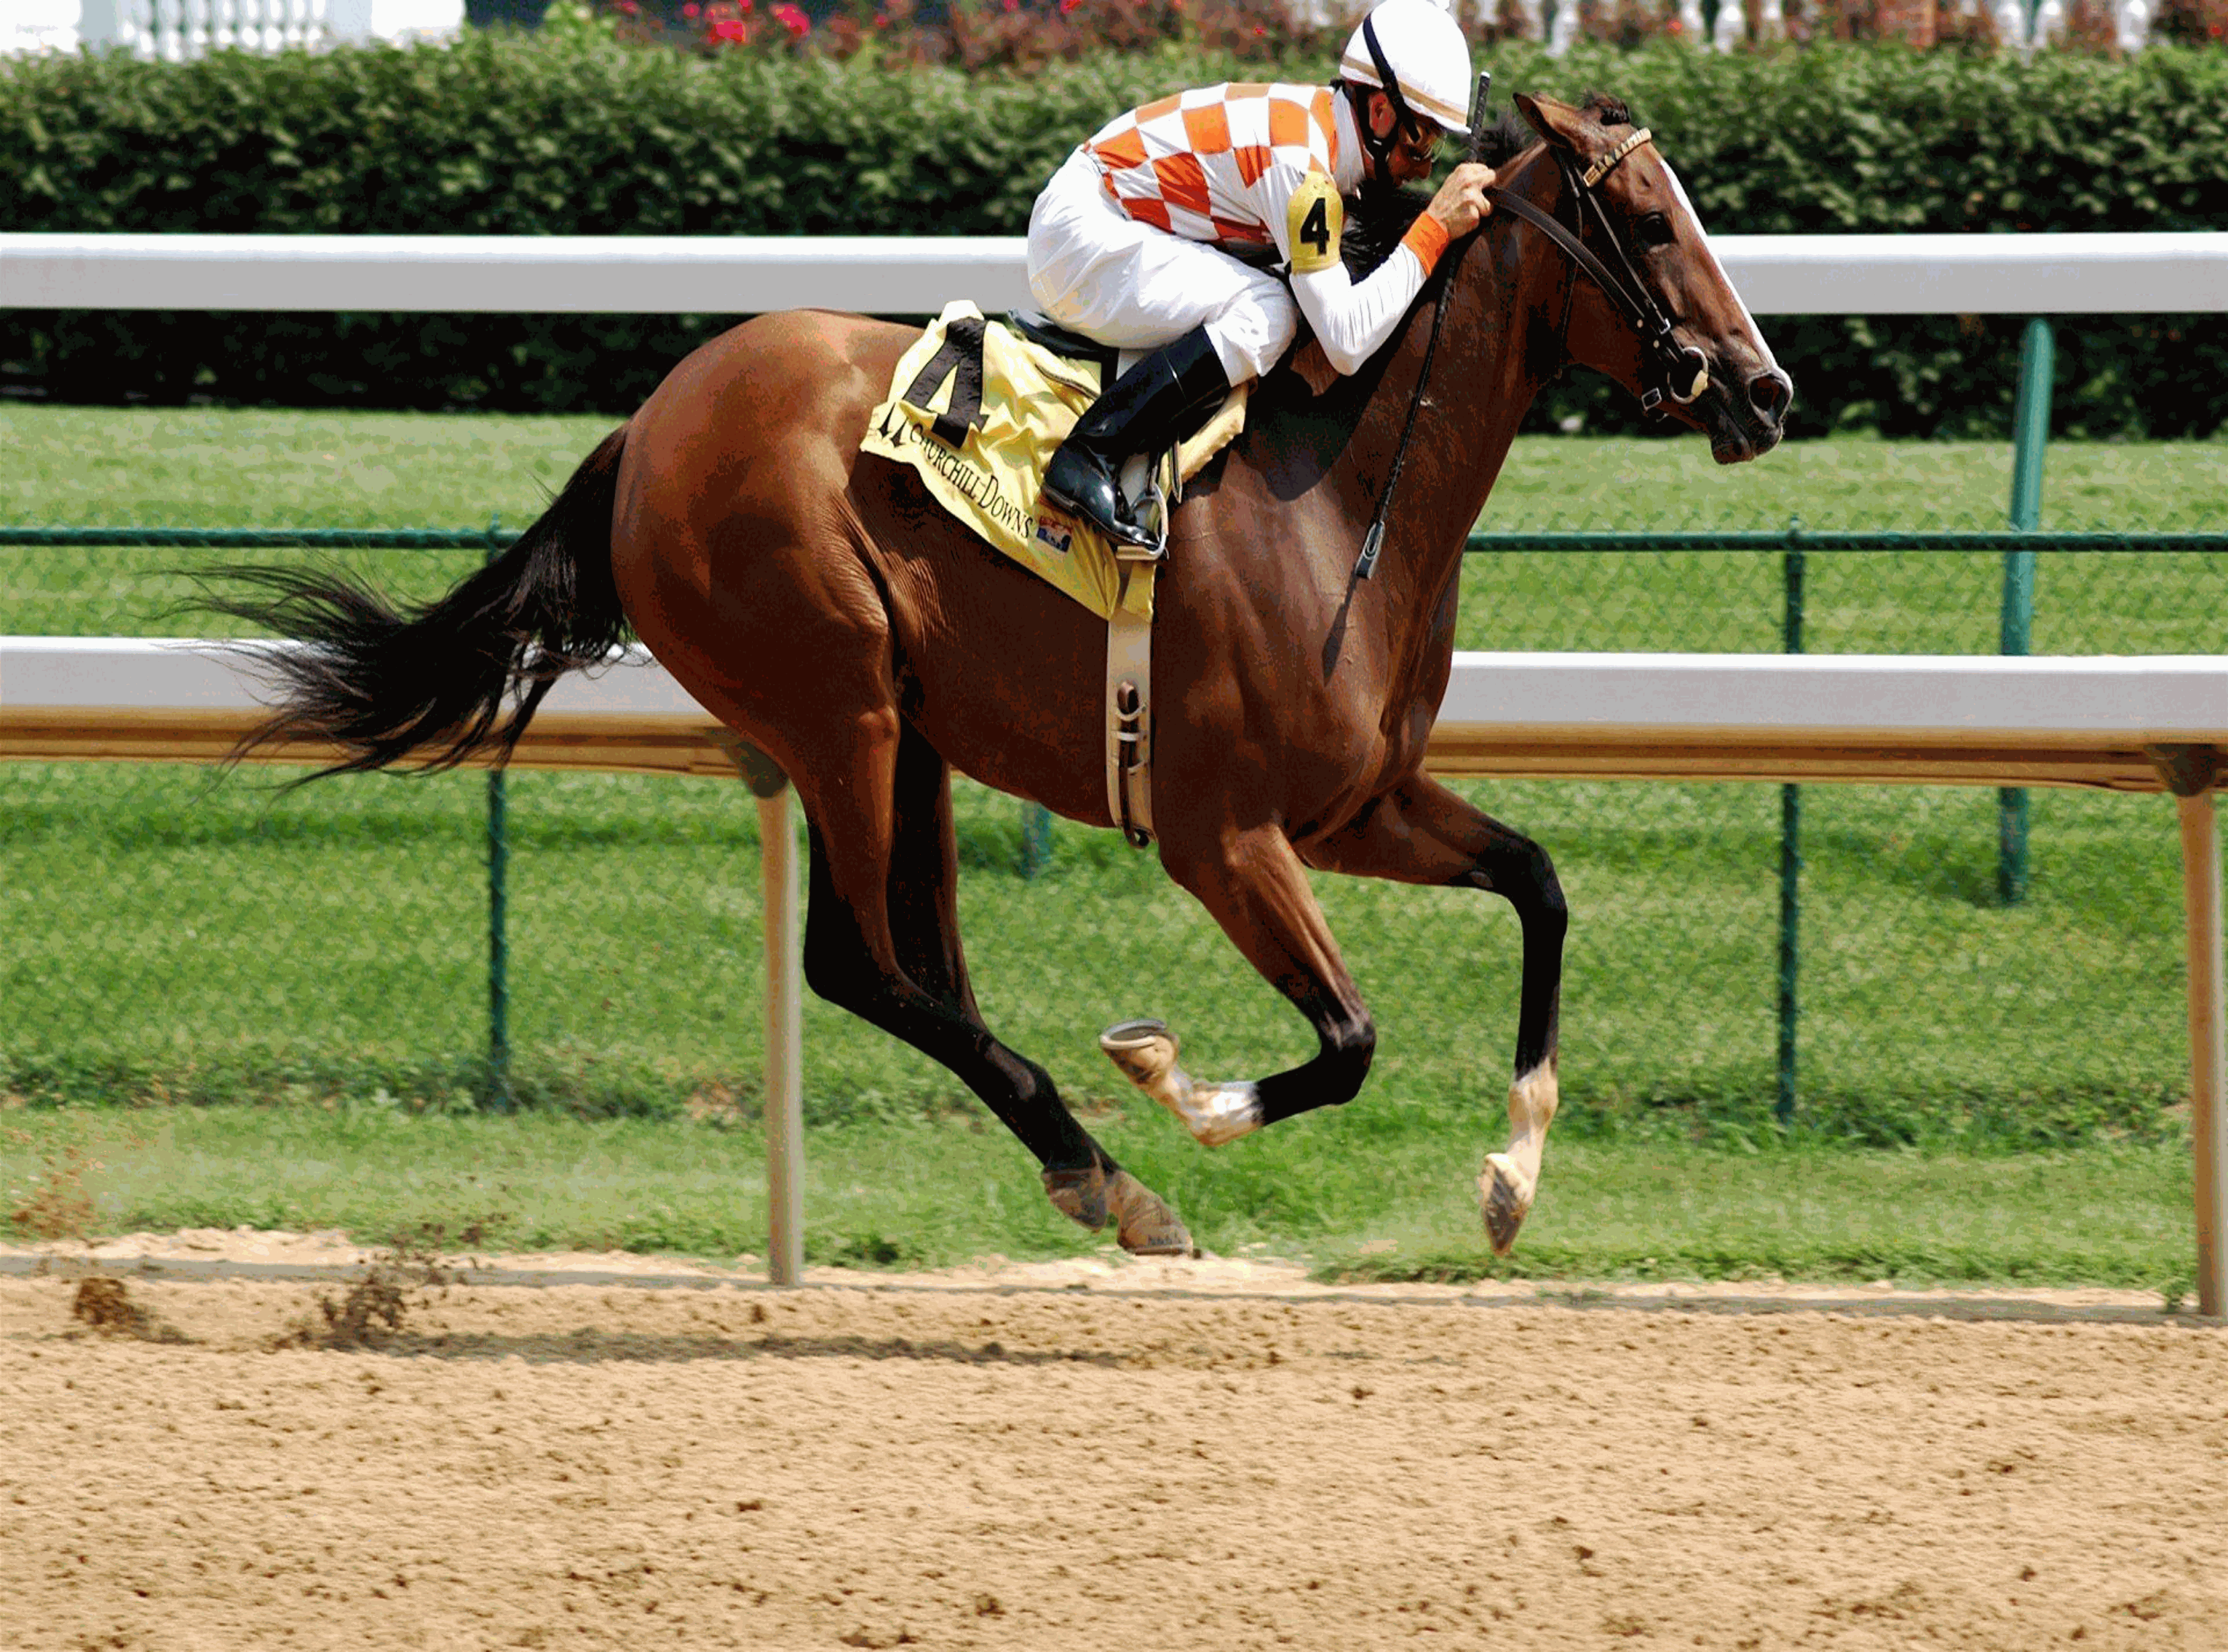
x=1422 y=46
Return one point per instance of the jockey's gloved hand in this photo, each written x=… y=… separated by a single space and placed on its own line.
x=1460 y=206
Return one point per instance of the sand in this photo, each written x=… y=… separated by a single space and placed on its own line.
x=1102 y=1454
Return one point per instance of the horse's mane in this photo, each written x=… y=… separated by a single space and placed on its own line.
x=1377 y=219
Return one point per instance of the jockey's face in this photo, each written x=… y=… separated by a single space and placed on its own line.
x=1415 y=144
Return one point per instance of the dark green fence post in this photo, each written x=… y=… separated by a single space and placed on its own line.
x=1790 y=845
x=2030 y=435
x=498 y=853
x=1036 y=838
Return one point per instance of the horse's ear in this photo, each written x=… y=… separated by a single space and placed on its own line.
x=1558 y=123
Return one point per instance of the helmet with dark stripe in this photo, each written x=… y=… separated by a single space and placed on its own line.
x=1413 y=51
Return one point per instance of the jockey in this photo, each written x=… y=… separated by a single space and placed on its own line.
x=1138 y=241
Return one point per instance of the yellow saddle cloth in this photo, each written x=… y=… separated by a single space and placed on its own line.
x=977 y=408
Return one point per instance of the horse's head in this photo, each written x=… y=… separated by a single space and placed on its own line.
x=1649 y=305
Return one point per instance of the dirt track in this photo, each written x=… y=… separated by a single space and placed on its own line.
x=1116 y=1464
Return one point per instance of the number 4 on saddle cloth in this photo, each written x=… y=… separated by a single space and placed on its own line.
x=977 y=408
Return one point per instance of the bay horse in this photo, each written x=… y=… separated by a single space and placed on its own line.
x=818 y=603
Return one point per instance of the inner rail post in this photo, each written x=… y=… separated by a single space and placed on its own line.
x=2208 y=1048
x=2192 y=773
x=785 y=1010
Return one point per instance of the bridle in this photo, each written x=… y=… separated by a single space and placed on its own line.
x=1668 y=364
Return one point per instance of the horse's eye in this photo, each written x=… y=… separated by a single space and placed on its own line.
x=1655 y=230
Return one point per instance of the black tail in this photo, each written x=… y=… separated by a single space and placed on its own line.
x=432 y=685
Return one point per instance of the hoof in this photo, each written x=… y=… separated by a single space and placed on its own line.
x=1078 y=1194
x=1144 y=1050
x=1146 y=1225
x=1505 y=1201
x=1214 y=1113
x=1143 y=1221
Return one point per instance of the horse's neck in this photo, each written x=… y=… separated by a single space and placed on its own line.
x=1489 y=366
x=1325 y=454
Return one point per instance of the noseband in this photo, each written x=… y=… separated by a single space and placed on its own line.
x=1670 y=364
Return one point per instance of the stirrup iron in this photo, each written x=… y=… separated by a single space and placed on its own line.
x=1150 y=514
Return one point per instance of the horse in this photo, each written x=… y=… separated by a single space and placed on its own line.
x=829 y=612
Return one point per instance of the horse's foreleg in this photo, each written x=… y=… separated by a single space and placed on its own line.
x=1421 y=833
x=1254 y=884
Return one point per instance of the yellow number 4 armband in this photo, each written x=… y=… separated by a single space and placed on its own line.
x=1313 y=224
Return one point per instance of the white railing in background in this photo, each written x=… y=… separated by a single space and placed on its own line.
x=38 y=26
x=177 y=31
x=2021 y=25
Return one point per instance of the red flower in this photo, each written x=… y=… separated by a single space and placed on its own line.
x=691 y=9
x=630 y=8
x=791 y=17
x=732 y=30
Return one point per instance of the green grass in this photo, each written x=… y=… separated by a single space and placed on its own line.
x=75 y=467
x=925 y=1194
x=252 y=468
x=173 y=939
x=169 y=939
x=248 y=467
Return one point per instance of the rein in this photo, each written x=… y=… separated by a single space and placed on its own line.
x=1373 y=540
x=1672 y=362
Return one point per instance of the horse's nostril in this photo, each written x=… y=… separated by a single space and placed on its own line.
x=1771 y=395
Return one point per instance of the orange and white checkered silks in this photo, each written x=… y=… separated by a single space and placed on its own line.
x=1219 y=163
x=1137 y=238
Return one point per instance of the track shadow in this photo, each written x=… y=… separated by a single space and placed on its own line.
x=1973 y=1309
x=588 y=1346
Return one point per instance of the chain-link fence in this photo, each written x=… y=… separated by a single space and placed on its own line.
x=172 y=933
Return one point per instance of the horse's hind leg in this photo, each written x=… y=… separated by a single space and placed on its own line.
x=882 y=940
x=1421 y=833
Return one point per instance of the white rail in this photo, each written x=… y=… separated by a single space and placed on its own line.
x=1590 y=717
x=1879 y=275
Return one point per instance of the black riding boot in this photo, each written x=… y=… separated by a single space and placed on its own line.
x=1141 y=413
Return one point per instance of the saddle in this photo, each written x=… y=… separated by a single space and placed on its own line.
x=976 y=407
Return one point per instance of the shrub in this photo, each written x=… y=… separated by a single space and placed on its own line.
x=579 y=134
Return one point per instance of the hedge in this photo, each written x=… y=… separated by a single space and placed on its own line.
x=508 y=134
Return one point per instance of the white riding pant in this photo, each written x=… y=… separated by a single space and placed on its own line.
x=1098 y=271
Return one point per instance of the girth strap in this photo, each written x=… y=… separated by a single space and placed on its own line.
x=1130 y=713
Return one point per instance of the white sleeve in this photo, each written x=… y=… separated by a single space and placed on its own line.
x=1351 y=320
